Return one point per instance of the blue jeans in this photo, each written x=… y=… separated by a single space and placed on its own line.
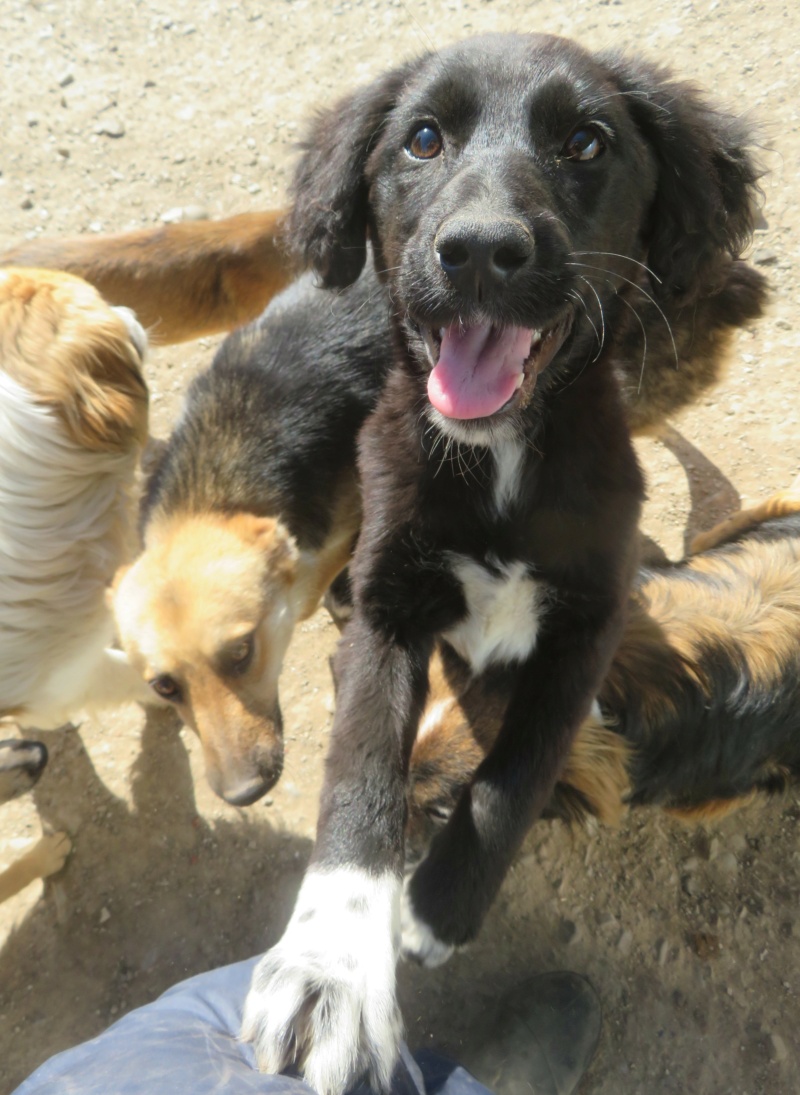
x=186 y=1041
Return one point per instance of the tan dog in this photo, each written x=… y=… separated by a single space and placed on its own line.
x=205 y=615
x=45 y=858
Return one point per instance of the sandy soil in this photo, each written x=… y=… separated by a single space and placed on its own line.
x=115 y=115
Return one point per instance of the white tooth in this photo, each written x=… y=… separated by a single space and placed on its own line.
x=442 y=332
x=520 y=379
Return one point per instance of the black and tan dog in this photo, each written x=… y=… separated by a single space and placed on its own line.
x=251 y=513
x=500 y=491
x=700 y=711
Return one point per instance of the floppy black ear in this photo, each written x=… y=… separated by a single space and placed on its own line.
x=327 y=225
x=707 y=191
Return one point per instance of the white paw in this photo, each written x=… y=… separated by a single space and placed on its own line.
x=418 y=941
x=324 y=996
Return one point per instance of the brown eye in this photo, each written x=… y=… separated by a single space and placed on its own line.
x=239 y=656
x=426 y=143
x=584 y=144
x=166 y=687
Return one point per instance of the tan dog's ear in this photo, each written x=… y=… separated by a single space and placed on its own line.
x=273 y=540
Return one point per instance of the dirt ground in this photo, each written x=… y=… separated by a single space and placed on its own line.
x=118 y=114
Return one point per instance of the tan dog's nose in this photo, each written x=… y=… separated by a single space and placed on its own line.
x=242 y=773
x=248 y=791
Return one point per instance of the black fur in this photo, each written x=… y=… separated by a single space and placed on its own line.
x=703 y=210
x=673 y=190
x=270 y=427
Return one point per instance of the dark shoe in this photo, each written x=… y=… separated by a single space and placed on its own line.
x=542 y=1038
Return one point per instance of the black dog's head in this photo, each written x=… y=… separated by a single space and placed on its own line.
x=511 y=187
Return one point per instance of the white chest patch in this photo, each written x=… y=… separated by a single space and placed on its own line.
x=504 y=610
x=507 y=457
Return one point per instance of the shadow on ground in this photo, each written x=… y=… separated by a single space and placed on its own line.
x=153 y=894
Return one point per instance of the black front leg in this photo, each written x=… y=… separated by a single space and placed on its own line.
x=325 y=994
x=452 y=889
x=382 y=688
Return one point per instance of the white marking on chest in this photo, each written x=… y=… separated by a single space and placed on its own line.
x=504 y=609
x=507 y=457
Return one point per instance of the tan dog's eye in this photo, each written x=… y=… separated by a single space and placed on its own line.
x=166 y=687
x=238 y=657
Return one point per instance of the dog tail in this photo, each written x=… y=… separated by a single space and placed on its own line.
x=182 y=280
x=73 y=353
x=782 y=504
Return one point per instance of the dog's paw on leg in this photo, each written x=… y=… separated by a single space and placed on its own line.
x=419 y=941
x=324 y=996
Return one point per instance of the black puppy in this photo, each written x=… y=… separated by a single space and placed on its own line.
x=500 y=490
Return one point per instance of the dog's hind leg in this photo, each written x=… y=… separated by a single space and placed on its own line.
x=45 y=858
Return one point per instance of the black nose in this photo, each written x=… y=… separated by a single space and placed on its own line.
x=245 y=786
x=479 y=255
x=248 y=791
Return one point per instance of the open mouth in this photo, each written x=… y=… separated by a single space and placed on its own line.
x=477 y=371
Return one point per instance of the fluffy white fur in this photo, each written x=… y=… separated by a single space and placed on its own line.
x=329 y=984
x=504 y=607
x=64 y=526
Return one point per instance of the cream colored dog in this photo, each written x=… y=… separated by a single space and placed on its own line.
x=73 y=419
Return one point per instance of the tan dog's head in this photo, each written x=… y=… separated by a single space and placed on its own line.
x=72 y=351
x=206 y=614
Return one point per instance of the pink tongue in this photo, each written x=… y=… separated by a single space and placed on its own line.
x=478 y=369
